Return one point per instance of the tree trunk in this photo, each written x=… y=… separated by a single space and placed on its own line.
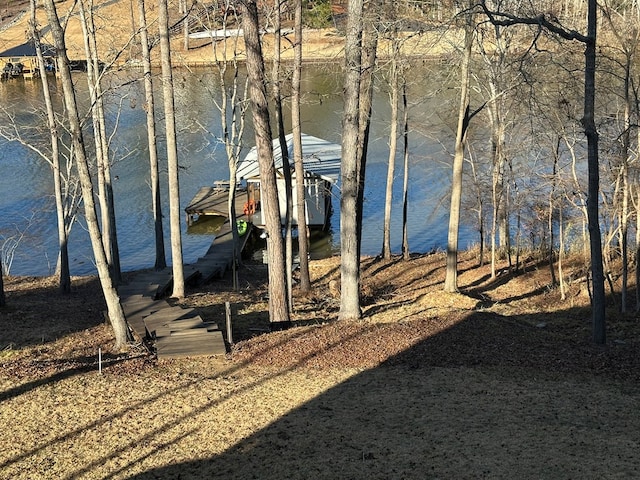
x=278 y=306
x=350 y=261
x=563 y=293
x=284 y=149
x=406 y=254
x=105 y=188
x=393 y=145
x=552 y=208
x=231 y=107
x=154 y=174
x=598 y=307
x=369 y=45
x=62 y=269
x=303 y=231
x=116 y=314
x=595 y=239
x=451 y=277
x=637 y=252
x=3 y=298
x=625 y=157
x=172 y=151
x=185 y=24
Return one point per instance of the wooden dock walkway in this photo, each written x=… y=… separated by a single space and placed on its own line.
x=179 y=332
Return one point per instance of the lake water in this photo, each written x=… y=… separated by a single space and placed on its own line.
x=27 y=207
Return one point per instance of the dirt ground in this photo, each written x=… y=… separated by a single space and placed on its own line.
x=115 y=29
x=499 y=381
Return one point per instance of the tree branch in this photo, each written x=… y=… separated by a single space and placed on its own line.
x=506 y=19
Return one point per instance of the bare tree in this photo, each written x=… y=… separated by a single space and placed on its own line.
x=115 y=312
x=172 y=151
x=105 y=187
x=154 y=176
x=360 y=54
x=59 y=156
x=591 y=133
x=350 y=261
x=284 y=148
x=62 y=268
x=394 y=94
x=406 y=254
x=370 y=31
x=451 y=278
x=494 y=45
x=278 y=306
x=303 y=231
x=623 y=25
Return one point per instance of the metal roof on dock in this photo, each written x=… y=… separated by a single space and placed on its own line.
x=28 y=49
x=320 y=157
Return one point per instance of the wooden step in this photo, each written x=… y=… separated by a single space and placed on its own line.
x=171 y=331
x=142 y=287
x=180 y=346
x=165 y=316
x=136 y=308
x=197 y=330
x=193 y=323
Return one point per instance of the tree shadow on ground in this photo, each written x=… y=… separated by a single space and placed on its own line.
x=26 y=319
x=487 y=397
x=63 y=369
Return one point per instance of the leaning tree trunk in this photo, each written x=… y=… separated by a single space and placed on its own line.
x=105 y=186
x=172 y=151
x=278 y=306
x=116 y=314
x=62 y=268
x=154 y=174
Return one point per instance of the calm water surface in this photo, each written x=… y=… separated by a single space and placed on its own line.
x=27 y=207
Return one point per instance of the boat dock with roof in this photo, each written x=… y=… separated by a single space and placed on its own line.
x=321 y=160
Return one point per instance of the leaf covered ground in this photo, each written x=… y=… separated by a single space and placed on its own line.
x=498 y=381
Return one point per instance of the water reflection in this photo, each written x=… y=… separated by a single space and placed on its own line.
x=206 y=225
x=25 y=179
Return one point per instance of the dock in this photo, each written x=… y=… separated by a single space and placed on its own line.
x=213 y=201
x=178 y=332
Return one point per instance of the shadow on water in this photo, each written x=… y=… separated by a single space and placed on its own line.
x=321 y=245
x=468 y=402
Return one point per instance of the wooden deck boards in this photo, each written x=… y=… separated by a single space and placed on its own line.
x=210 y=343
x=179 y=332
x=214 y=200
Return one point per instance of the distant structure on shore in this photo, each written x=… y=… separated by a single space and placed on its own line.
x=22 y=61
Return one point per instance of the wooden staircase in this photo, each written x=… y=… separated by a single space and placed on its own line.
x=178 y=332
